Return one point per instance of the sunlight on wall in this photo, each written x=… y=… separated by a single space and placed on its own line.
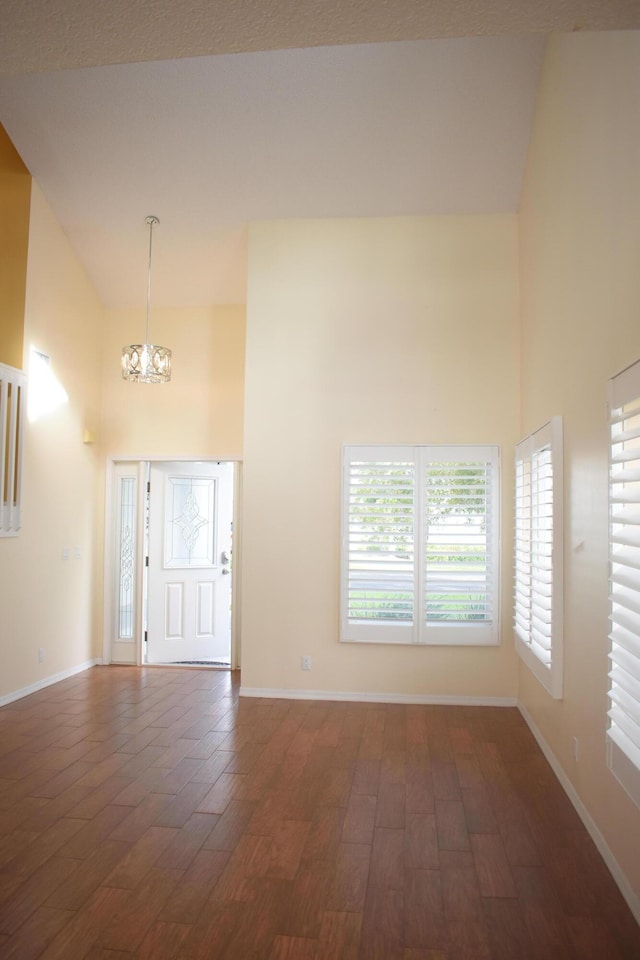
x=45 y=392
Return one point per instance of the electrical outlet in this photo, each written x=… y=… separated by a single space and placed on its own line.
x=78 y=553
x=66 y=553
x=306 y=663
x=575 y=749
x=40 y=654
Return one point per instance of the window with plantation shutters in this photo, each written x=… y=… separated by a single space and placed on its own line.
x=624 y=583
x=538 y=554
x=12 y=410
x=420 y=544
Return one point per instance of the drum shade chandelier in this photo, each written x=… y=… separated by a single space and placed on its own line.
x=147 y=362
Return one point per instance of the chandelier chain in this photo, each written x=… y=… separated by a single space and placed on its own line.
x=147 y=362
x=151 y=221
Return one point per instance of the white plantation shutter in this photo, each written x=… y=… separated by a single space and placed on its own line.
x=460 y=546
x=538 y=554
x=420 y=544
x=379 y=516
x=12 y=410
x=522 y=615
x=624 y=556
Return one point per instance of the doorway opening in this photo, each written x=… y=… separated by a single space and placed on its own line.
x=170 y=570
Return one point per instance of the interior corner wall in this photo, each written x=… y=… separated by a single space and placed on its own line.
x=15 y=196
x=46 y=601
x=580 y=288
x=374 y=330
x=199 y=413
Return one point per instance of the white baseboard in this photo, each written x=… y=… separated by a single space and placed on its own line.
x=633 y=900
x=41 y=684
x=417 y=698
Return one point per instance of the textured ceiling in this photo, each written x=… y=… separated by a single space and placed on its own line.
x=345 y=127
x=44 y=35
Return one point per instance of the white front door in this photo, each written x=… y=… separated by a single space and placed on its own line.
x=189 y=574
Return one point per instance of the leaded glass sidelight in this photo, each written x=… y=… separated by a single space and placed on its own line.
x=126 y=557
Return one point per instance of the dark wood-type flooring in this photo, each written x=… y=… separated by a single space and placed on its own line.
x=153 y=814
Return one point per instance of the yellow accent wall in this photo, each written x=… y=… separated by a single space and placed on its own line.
x=580 y=306
x=377 y=331
x=15 y=194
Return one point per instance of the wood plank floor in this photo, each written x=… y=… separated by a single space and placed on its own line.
x=153 y=814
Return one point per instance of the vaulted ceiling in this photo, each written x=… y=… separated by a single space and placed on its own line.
x=211 y=115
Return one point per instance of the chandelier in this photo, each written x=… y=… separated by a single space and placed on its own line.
x=147 y=362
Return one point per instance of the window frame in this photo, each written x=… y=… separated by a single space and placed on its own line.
x=419 y=630
x=531 y=633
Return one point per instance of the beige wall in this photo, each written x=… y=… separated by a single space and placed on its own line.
x=58 y=604
x=580 y=268
x=15 y=194
x=47 y=601
x=199 y=412
x=394 y=330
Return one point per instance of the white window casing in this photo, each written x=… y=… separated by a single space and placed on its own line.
x=12 y=414
x=624 y=579
x=420 y=544
x=538 y=560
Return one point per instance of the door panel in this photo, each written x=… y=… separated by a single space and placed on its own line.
x=189 y=581
x=205 y=609
x=174 y=614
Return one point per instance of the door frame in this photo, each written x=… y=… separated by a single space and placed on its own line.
x=110 y=533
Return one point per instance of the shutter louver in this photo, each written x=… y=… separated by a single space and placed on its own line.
x=624 y=556
x=541 y=553
x=458 y=563
x=538 y=556
x=523 y=548
x=380 y=541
